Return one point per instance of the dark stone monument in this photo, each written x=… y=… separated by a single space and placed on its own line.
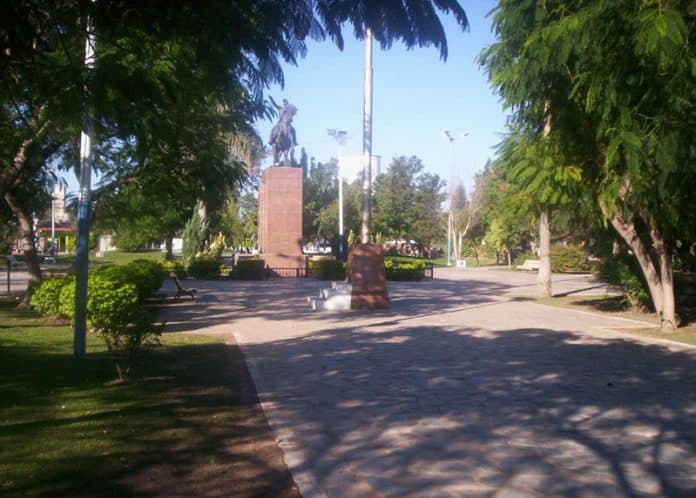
x=366 y=274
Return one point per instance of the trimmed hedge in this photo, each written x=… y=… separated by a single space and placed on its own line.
x=400 y=269
x=175 y=266
x=249 y=269
x=327 y=269
x=204 y=267
x=46 y=298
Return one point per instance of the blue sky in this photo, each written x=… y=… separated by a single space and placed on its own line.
x=416 y=96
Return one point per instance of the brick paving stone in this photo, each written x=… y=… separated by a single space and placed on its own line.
x=462 y=390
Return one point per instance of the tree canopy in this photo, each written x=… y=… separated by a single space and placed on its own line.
x=616 y=80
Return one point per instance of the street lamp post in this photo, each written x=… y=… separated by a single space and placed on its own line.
x=83 y=208
x=450 y=213
x=341 y=136
x=367 y=140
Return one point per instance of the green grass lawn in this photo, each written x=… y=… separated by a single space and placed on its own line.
x=111 y=257
x=67 y=429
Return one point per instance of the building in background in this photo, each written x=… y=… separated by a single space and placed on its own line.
x=56 y=224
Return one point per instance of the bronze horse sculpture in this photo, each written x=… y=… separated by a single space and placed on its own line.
x=283 y=137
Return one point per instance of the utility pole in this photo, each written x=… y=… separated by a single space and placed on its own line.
x=450 y=182
x=367 y=140
x=83 y=208
x=341 y=136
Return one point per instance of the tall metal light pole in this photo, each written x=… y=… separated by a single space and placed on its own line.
x=341 y=137
x=367 y=140
x=450 y=214
x=83 y=208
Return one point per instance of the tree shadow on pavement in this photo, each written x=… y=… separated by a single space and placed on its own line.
x=415 y=411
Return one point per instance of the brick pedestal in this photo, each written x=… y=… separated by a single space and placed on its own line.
x=366 y=262
x=280 y=218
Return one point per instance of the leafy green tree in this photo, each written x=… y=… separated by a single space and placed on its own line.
x=171 y=80
x=194 y=237
x=407 y=202
x=320 y=199
x=616 y=79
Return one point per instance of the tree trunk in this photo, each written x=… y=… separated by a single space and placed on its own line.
x=30 y=256
x=169 y=245
x=544 y=274
x=660 y=285
x=668 y=316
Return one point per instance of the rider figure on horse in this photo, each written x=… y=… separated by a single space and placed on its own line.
x=283 y=137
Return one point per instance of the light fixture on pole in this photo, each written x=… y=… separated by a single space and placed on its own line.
x=341 y=136
x=450 y=211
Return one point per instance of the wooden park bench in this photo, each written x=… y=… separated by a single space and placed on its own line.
x=529 y=264
x=182 y=291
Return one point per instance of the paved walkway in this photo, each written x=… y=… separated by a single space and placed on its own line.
x=461 y=389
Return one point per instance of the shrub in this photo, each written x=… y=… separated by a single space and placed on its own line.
x=569 y=258
x=145 y=275
x=249 y=269
x=204 y=267
x=46 y=298
x=404 y=269
x=617 y=272
x=328 y=269
x=176 y=266
x=115 y=313
x=148 y=276
x=521 y=257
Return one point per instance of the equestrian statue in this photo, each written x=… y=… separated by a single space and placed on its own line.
x=283 y=138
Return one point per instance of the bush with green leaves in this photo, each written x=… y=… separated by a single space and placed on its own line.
x=327 y=269
x=249 y=269
x=114 y=310
x=616 y=271
x=46 y=298
x=568 y=258
x=204 y=267
x=403 y=269
x=175 y=266
x=523 y=256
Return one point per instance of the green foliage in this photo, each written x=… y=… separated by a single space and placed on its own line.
x=521 y=257
x=194 y=237
x=327 y=269
x=320 y=192
x=404 y=269
x=175 y=265
x=568 y=258
x=249 y=269
x=46 y=298
x=624 y=275
x=144 y=274
x=114 y=308
x=610 y=83
x=204 y=267
x=407 y=203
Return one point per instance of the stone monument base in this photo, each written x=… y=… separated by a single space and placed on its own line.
x=366 y=273
x=285 y=265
